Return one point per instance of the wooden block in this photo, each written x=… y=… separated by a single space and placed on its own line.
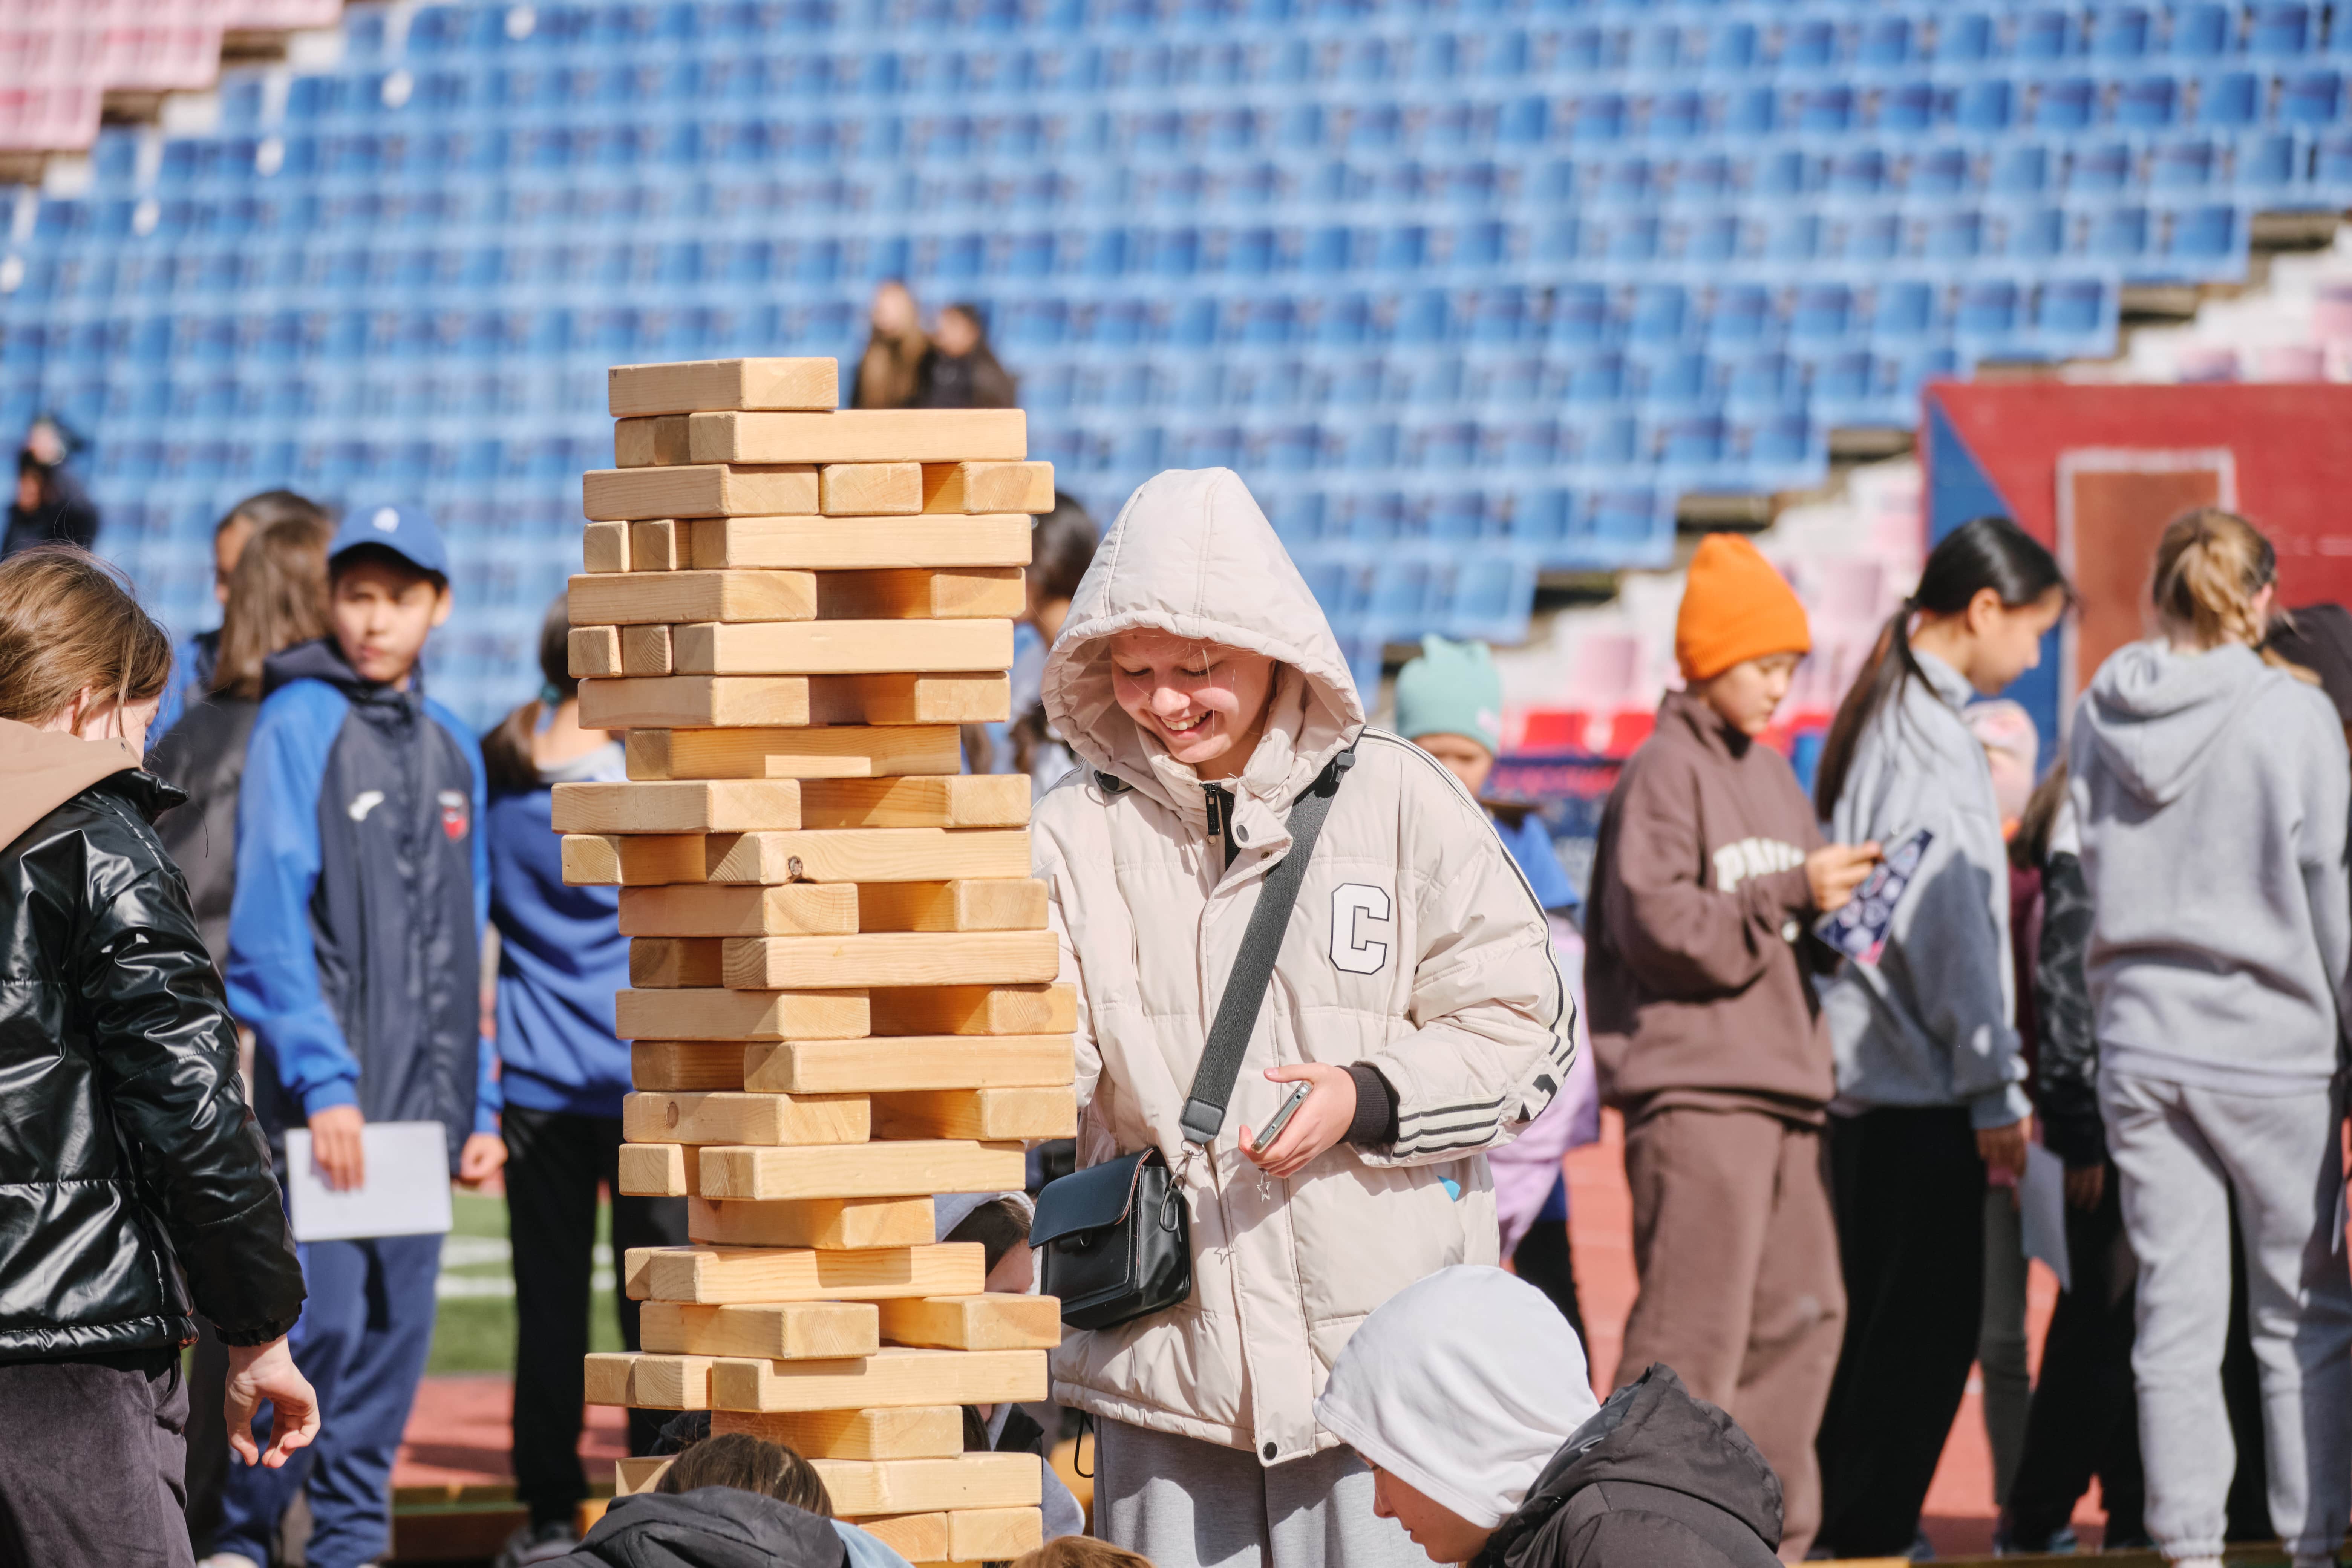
x=900 y=1432
x=635 y=859
x=648 y=1382
x=791 y=1330
x=869 y=489
x=909 y=1062
x=910 y=700
x=716 y=1275
x=690 y=386
x=962 y=593
x=658 y=544
x=681 y=1066
x=796 y=908
x=890 y=958
x=607 y=1377
x=988 y=487
x=832 y=1225
x=866 y=855
x=675 y=962
x=971 y=800
x=663 y=598
x=827 y=752
x=976 y=1010
x=604 y=547
x=695 y=701
x=889 y=1377
x=917 y=1536
x=777 y=540
x=860 y=1489
x=658 y=1170
x=864 y=1170
x=718 y=1117
x=993 y=1534
x=642 y=442
x=837 y=647
x=645 y=650
x=988 y=1113
x=1013 y=903
x=714 y=1014
x=592 y=651
x=684 y=805
x=699 y=491
x=864 y=435
x=633 y=1476
x=992 y=1322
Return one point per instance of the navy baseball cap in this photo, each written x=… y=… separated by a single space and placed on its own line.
x=407 y=531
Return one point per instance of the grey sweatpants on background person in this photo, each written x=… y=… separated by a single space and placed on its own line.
x=1188 y=1504
x=91 y=1457
x=2181 y=1152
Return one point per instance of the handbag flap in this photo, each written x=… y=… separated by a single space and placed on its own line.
x=1091 y=1199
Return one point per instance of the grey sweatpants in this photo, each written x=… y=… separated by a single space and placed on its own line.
x=2182 y=1152
x=1188 y=1504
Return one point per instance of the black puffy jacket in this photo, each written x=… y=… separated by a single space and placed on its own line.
x=134 y=1183
x=1656 y=1478
x=711 y=1527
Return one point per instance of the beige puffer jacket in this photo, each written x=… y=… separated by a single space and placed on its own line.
x=1415 y=946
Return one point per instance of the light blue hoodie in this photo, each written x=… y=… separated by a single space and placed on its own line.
x=1933 y=1021
x=2213 y=796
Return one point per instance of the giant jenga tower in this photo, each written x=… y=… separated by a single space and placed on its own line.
x=840 y=984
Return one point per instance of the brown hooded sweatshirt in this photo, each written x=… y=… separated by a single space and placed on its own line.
x=1695 y=969
x=40 y=770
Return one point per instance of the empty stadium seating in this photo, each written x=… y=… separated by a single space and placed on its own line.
x=1466 y=290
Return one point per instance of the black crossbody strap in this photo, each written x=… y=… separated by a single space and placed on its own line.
x=1237 y=1009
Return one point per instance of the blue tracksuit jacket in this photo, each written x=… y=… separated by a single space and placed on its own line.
x=363 y=886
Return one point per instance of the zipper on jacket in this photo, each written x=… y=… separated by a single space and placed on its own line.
x=1220 y=820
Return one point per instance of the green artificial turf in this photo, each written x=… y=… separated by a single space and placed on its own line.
x=474 y=1334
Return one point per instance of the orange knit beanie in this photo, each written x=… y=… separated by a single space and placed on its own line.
x=1735 y=607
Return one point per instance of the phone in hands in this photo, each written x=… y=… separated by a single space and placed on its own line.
x=1281 y=1119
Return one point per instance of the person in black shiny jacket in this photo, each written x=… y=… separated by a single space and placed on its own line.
x=134 y=1184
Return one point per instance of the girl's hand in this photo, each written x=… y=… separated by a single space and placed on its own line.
x=1320 y=1121
x=1834 y=870
x=2086 y=1185
x=479 y=1159
x=2004 y=1148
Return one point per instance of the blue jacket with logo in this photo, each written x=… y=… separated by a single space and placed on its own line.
x=363 y=887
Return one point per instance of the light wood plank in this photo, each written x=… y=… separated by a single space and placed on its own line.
x=718 y=1117
x=642 y=442
x=1012 y=903
x=658 y=544
x=675 y=962
x=731 y=1275
x=990 y=1322
x=889 y=1377
x=870 y=489
x=831 y=1224
x=679 y=1067
x=976 y=1010
x=604 y=547
x=993 y=1534
x=840 y=647
x=910 y=1062
x=868 y=855
x=823 y=751
x=633 y=1476
x=916 y=1537
x=890 y=958
x=962 y=593
x=986 y=1113
x=971 y=800
x=664 y=598
x=699 y=491
x=861 y=436
x=690 y=386
x=863 y=1171
x=935 y=698
x=648 y=1382
x=714 y=1013
x=702 y=910
x=592 y=651
x=779 y=539
x=902 y=1432
x=658 y=1170
x=645 y=650
x=592 y=859
x=988 y=487
x=785 y=1331
x=860 y=1489
x=692 y=700
x=679 y=806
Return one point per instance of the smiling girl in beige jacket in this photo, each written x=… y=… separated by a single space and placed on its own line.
x=1415 y=993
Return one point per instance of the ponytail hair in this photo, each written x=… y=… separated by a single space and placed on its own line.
x=1990 y=552
x=506 y=764
x=2210 y=566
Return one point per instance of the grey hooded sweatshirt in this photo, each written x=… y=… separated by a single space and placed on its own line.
x=1933 y=1021
x=2213 y=796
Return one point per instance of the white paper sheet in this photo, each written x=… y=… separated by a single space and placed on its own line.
x=2041 y=1211
x=406 y=1191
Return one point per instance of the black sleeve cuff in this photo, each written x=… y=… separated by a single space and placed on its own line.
x=1376 y=1107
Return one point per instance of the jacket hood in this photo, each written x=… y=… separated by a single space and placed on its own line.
x=1191 y=554
x=40 y=770
x=1469 y=1419
x=322 y=659
x=2155 y=714
x=1654 y=1432
x=711 y=1527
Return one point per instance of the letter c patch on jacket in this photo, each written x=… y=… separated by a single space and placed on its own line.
x=455 y=809
x=1354 y=906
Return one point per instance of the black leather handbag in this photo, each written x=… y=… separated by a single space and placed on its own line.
x=1116 y=1239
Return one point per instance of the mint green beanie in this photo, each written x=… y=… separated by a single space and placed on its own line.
x=1453 y=688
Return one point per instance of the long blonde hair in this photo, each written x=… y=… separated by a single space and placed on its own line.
x=2211 y=567
x=69 y=624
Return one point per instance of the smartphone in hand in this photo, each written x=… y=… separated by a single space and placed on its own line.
x=1281 y=1119
x=1858 y=928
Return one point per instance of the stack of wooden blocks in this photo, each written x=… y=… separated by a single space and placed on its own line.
x=842 y=996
